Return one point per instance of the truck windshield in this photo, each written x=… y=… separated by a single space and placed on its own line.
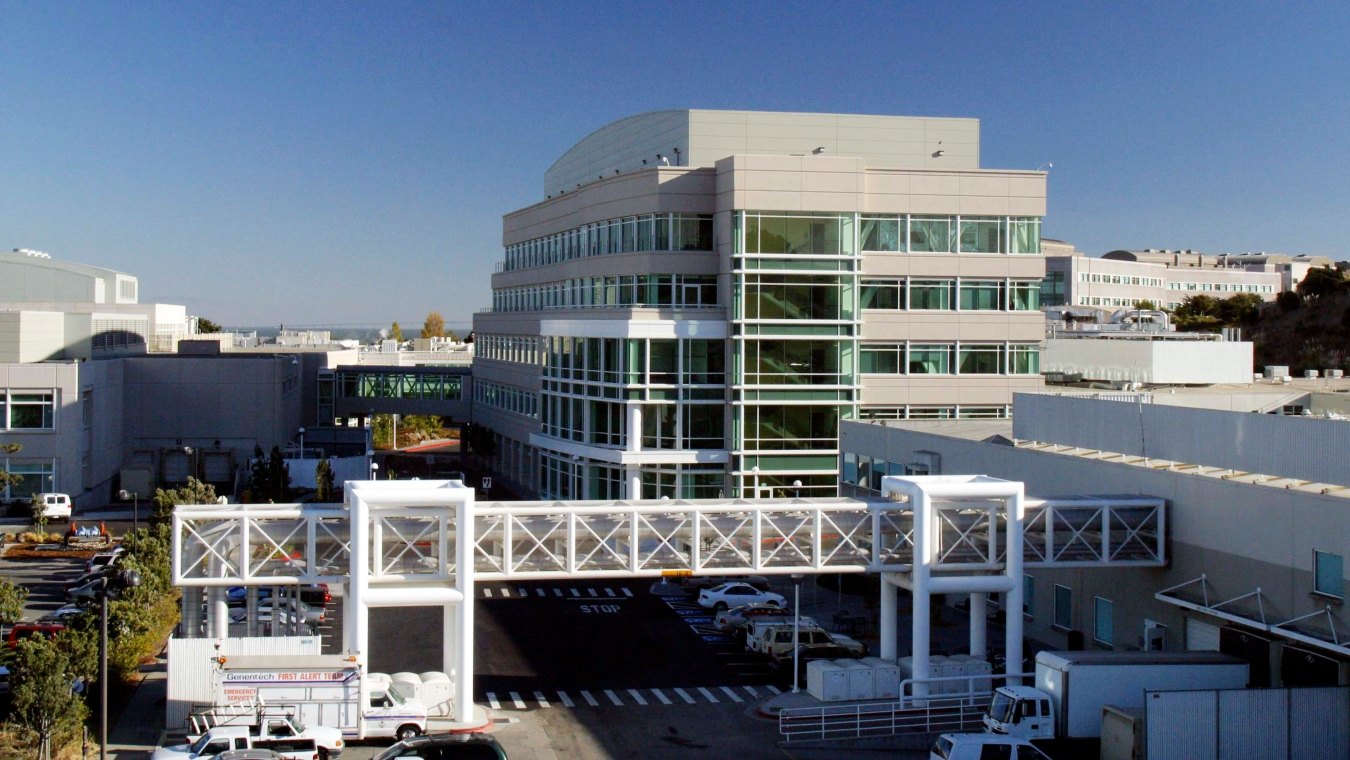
x=398 y=698
x=1001 y=708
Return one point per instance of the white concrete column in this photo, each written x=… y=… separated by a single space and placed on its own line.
x=1012 y=611
x=354 y=603
x=464 y=574
x=979 y=606
x=923 y=558
x=633 y=445
x=890 y=619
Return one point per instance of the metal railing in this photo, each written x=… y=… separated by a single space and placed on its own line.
x=943 y=712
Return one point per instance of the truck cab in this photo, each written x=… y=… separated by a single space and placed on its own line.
x=388 y=713
x=1021 y=711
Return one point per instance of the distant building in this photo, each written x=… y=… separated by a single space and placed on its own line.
x=702 y=297
x=1121 y=279
x=1258 y=526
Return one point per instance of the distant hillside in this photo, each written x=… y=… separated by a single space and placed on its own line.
x=1315 y=335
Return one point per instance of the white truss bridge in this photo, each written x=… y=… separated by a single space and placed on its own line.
x=261 y=544
x=426 y=543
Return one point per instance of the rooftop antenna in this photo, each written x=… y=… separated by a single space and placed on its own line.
x=1045 y=166
x=664 y=161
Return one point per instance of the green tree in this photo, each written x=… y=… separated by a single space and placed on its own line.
x=1146 y=305
x=1241 y=309
x=12 y=599
x=6 y=479
x=323 y=481
x=205 y=325
x=434 y=326
x=1321 y=281
x=382 y=431
x=396 y=333
x=278 y=477
x=39 y=511
x=1197 y=313
x=195 y=492
x=1288 y=301
x=43 y=701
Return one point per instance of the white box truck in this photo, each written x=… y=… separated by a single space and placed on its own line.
x=320 y=690
x=1072 y=688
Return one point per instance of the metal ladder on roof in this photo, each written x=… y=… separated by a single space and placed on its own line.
x=233 y=714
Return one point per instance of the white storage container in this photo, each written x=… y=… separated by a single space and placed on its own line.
x=826 y=681
x=437 y=693
x=860 y=683
x=409 y=685
x=379 y=680
x=885 y=677
x=947 y=668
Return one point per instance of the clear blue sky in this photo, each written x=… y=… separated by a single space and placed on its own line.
x=342 y=163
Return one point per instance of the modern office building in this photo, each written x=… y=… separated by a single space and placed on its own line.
x=1121 y=279
x=703 y=296
x=1257 y=525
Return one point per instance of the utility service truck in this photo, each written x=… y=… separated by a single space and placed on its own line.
x=1072 y=688
x=319 y=690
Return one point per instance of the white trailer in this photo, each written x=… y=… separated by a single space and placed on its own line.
x=1073 y=687
x=320 y=690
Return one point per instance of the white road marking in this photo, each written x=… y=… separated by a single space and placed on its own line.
x=541 y=699
x=517 y=701
x=610 y=591
x=685 y=696
x=506 y=592
x=539 y=591
x=557 y=592
x=773 y=689
x=492 y=701
x=707 y=694
x=566 y=700
x=592 y=592
x=626 y=592
x=732 y=694
x=586 y=695
x=664 y=699
x=575 y=592
x=637 y=696
x=487 y=592
x=523 y=591
x=753 y=694
x=614 y=698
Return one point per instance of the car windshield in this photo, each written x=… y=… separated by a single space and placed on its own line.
x=1001 y=708
x=200 y=744
x=398 y=698
x=943 y=748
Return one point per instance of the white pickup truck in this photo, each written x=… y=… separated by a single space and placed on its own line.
x=277 y=734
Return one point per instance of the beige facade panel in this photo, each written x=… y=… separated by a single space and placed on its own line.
x=972 y=265
x=983 y=206
x=947 y=326
x=931 y=390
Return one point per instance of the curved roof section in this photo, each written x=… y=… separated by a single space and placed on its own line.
x=26 y=278
x=700 y=138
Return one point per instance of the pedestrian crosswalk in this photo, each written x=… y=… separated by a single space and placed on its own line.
x=650 y=697
x=564 y=592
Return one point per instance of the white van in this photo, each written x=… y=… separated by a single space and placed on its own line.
x=55 y=506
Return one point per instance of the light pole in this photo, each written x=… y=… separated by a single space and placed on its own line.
x=797 y=489
x=796 y=629
x=135 y=508
x=755 y=470
x=374 y=470
x=302 y=443
x=112 y=585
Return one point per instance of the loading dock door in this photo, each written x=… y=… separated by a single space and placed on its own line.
x=1201 y=637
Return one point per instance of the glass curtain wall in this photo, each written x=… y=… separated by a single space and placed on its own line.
x=795 y=317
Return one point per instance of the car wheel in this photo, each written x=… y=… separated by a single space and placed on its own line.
x=776 y=603
x=405 y=733
x=720 y=606
x=323 y=753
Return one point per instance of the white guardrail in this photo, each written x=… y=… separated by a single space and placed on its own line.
x=942 y=712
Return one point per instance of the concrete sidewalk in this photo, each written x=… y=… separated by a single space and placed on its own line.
x=137 y=731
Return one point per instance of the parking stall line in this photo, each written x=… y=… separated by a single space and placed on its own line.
x=732 y=694
x=751 y=690
x=523 y=591
x=614 y=698
x=539 y=591
x=685 y=696
x=707 y=695
x=610 y=591
x=541 y=699
x=566 y=700
x=626 y=592
x=506 y=592
x=516 y=700
x=637 y=696
x=487 y=592
x=592 y=592
x=773 y=689
x=557 y=592
x=590 y=700
x=664 y=699
x=492 y=701
x=575 y=592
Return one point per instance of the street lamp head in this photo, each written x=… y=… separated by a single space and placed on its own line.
x=302 y=431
